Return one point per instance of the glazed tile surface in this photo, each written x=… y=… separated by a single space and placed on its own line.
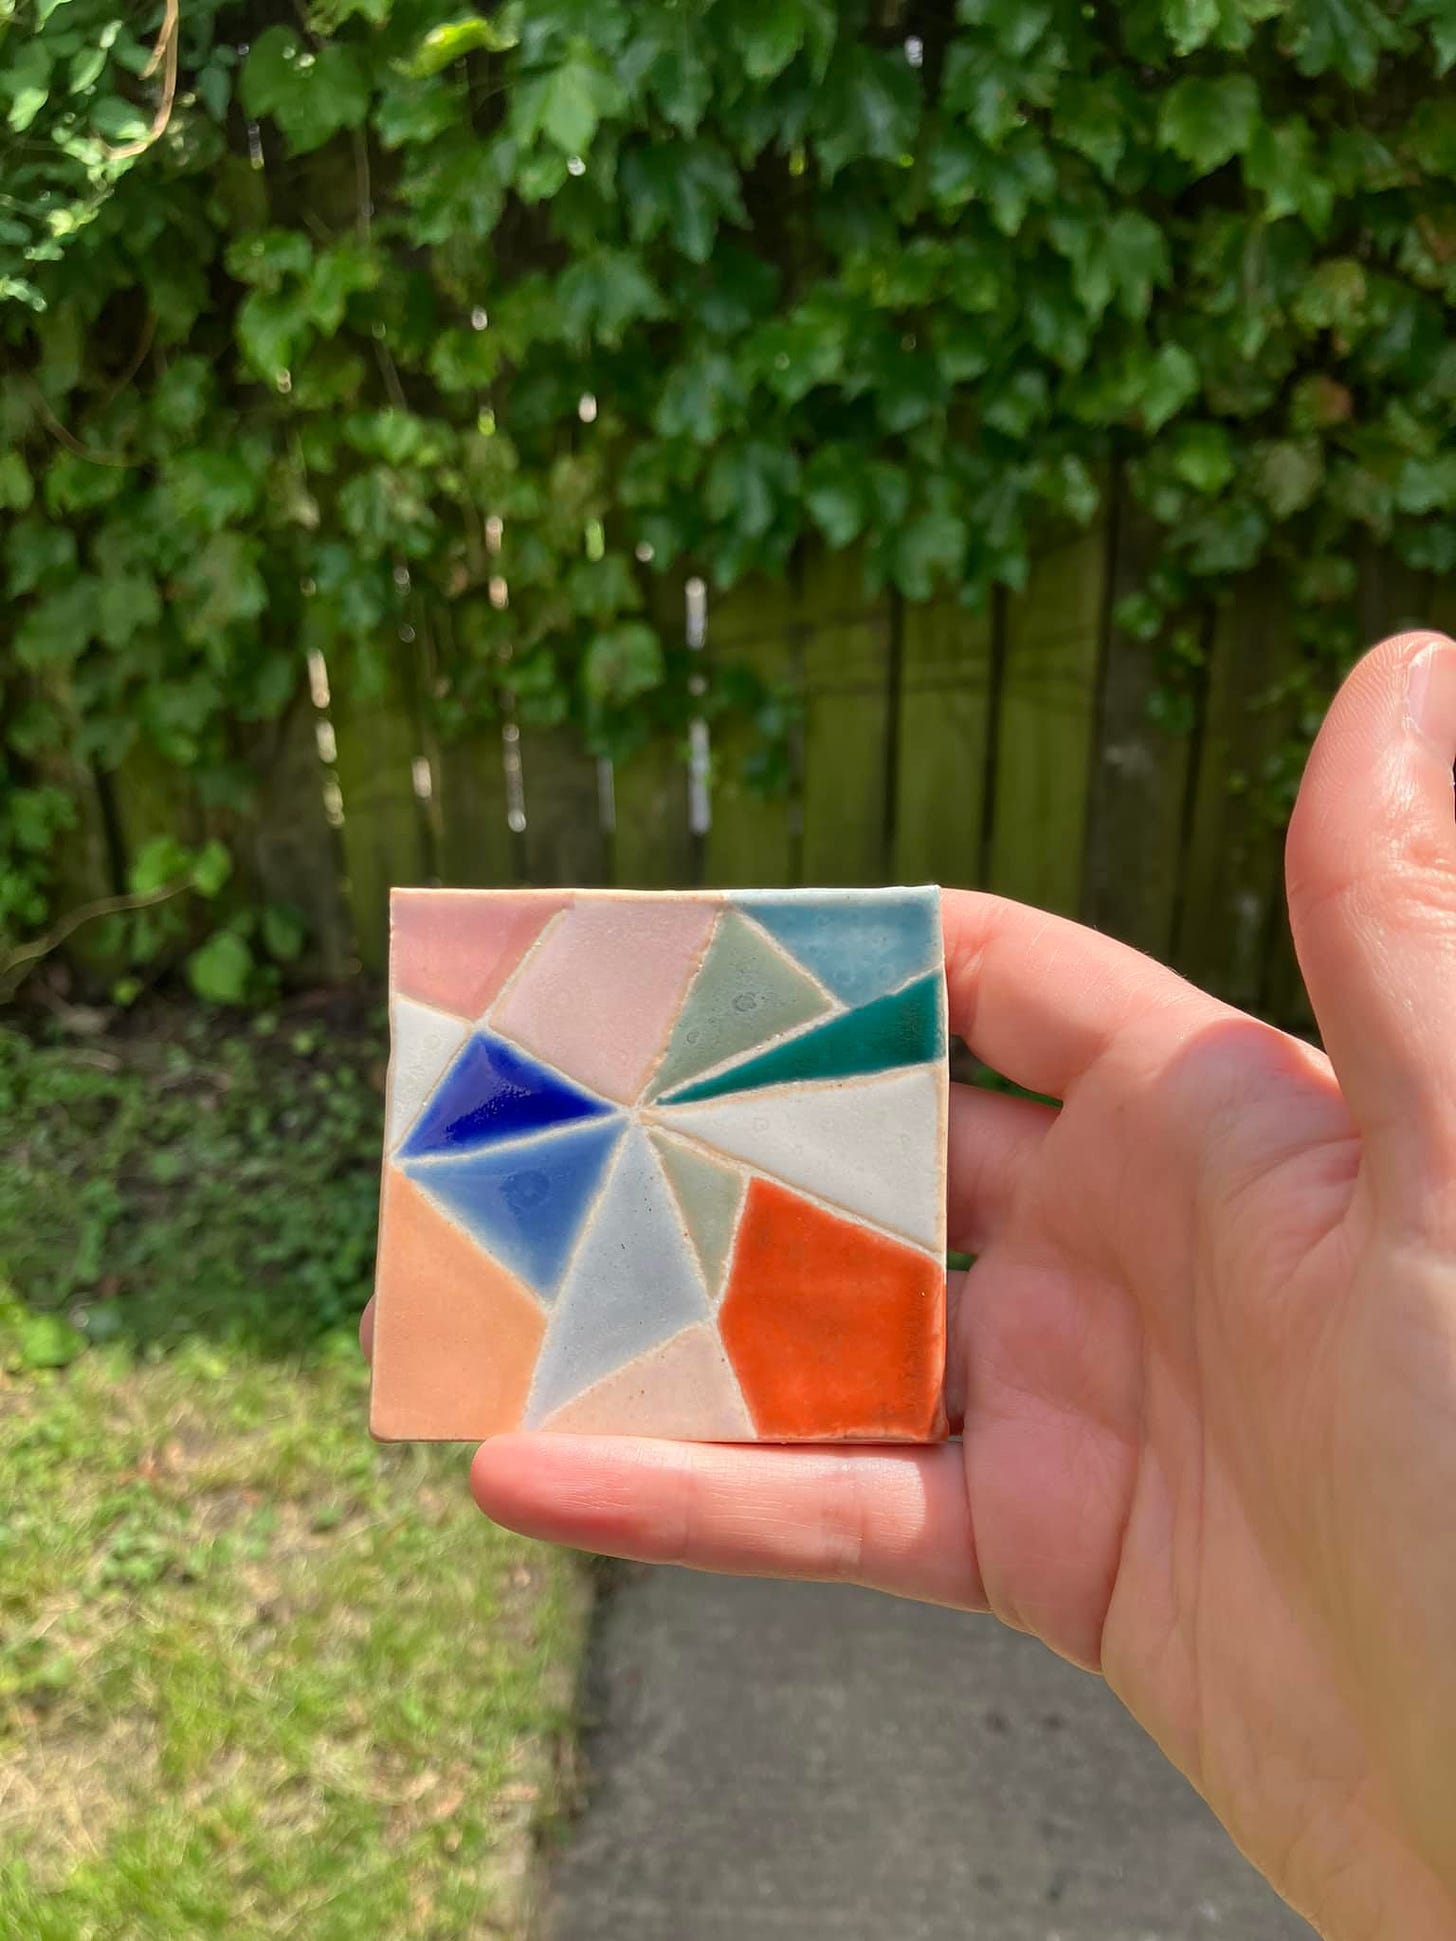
x=664 y=1164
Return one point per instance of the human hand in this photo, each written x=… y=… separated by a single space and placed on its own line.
x=1204 y=1366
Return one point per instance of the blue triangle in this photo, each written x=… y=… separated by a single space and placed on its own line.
x=524 y=1203
x=858 y=943
x=493 y=1091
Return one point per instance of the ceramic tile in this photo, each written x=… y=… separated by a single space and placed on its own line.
x=684 y=1388
x=493 y=1092
x=809 y=1364
x=860 y=944
x=664 y=1164
x=871 y=1147
x=525 y=1201
x=747 y=992
x=457 y=1334
x=709 y=1195
x=600 y=996
x=450 y=949
x=902 y=1029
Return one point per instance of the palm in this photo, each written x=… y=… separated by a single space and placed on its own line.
x=1205 y=1363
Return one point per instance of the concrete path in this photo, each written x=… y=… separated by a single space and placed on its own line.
x=791 y=1760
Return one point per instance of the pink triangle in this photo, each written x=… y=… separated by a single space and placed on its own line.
x=456 y=948
x=684 y=1389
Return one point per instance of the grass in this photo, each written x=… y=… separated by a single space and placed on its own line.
x=258 y=1676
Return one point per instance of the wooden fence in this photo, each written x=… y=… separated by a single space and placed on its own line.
x=1016 y=750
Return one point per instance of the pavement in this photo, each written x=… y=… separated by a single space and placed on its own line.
x=773 y=1760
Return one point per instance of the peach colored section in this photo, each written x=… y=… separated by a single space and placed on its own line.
x=599 y=998
x=684 y=1388
x=456 y=948
x=455 y=1335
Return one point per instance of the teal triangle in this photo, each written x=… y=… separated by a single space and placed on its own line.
x=858 y=943
x=905 y=1028
x=524 y=1203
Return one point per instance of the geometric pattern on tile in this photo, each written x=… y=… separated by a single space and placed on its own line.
x=746 y=992
x=493 y=1091
x=454 y=951
x=661 y=1170
x=422 y=1041
x=685 y=1387
x=631 y=1284
x=901 y=1029
x=455 y=1335
x=607 y=1031
x=525 y=1201
x=870 y=1148
x=709 y=1195
x=803 y=1368
x=858 y=946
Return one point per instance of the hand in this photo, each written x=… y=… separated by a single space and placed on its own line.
x=1205 y=1363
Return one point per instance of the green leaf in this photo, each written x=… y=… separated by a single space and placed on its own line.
x=1287 y=473
x=1346 y=35
x=284 y=932
x=58 y=629
x=16 y=487
x=211 y=868
x=1334 y=297
x=1427 y=484
x=623 y=663
x=1280 y=163
x=867 y=108
x=1164 y=383
x=222 y=970
x=930 y=548
x=310 y=95
x=1207 y=122
x=46 y=1340
x=464 y=360
x=568 y=104
x=127 y=604
x=208 y=489
x=603 y=292
x=451 y=41
x=159 y=864
x=1203 y=457
x=220 y=586
x=1190 y=24
x=36 y=551
x=766 y=34
x=1088 y=117
x=338 y=274
x=269 y=258
x=684 y=189
x=1439 y=19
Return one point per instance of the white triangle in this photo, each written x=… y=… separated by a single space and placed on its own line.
x=872 y=1146
x=422 y=1043
x=632 y=1283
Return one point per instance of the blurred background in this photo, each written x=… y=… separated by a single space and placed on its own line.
x=700 y=441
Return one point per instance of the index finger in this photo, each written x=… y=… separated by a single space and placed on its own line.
x=1041 y=999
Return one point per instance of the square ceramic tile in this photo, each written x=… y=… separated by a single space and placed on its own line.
x=664 y=1164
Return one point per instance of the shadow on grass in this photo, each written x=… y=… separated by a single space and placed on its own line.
x=192 y=1173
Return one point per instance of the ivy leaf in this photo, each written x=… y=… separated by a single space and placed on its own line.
x=451 y=41
x=35 y=551
x=1346 y=35
x=268 y=258
x=1431 y=137
x=1439 y=17
x=928 y=548
x=1202 y=456
x=17 y=489
x=748 y=484
x=271 y=327
x=127 y=603
x=867 y=108
x=58 y=629
x=1287 y=473
x=1279 y=162
x=221 y=972
x=1088 y=117
x=623 y=663
x=568 y=104
x=836 y=492
x=1334 y=297
x=209 y=489
x=685 y=190
x=1137 y=260
x=700 y=398
x=464 y=360
x=767 y=35
x=220 y=586
x=604 y=291
x=338 y=274
x=310 y=95
x=1207 y=122
x=210 y=869
x=1427 y=484
x=1190 y=24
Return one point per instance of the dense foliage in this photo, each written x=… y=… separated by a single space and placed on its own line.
x=387 y=314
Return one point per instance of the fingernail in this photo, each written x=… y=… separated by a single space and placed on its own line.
x=1430 y=698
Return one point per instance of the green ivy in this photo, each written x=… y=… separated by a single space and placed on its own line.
x=300 y=319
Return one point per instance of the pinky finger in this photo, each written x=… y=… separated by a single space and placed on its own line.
x=893 y=1519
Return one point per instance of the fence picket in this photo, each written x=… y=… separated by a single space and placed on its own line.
x=383 y=831
x=564 y=838
x=285 y=842
x=1046 y=722
x=752 y=838
x=943 y=737
x=1139 y=782
x=846 y=659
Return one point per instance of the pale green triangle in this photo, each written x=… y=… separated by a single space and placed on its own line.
x=747 y=994
x=708 y=1194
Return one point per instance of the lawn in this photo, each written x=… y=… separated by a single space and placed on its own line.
x=258 y=1676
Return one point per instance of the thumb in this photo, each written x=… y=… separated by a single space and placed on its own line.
x=1371 y=868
